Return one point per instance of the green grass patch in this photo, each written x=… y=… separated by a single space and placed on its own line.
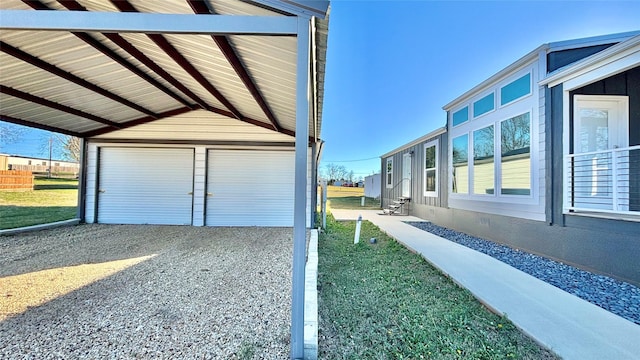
x=353 y=202
x=26 y=208
x=381 y=301
x=54 y=183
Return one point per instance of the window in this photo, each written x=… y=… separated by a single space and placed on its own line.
x=483 y=105
x=431 y=169
x=460 y=116
x=515 y=89
x=44 y=163
x=57 y=164
x=29 y=163
x=460 y=159
x=515 y=142
x=389 y=173
x=483 y=161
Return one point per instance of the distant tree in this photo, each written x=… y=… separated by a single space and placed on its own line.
x=335 y=172
x=71 y=148
x=62 y=147
x=350 y=175
x=9 y=133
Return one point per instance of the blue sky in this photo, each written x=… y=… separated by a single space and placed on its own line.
x=392 y=65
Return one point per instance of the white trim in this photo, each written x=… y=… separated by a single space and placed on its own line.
x=615 y=59
x=318 y=8
x=417 y=141
x=435 y=143
x=407 y=161
x=524 y=61
x=123 y=22
x=481 y=97
x=592 y=41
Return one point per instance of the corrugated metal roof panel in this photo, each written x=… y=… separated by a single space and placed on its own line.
x=204 y=55
x=144 y=44
x=269 y=61
x=14 y=107
x=32 y=80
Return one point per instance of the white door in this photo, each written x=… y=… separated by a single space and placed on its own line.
x=406 y=175
x=601 y=124
x=250 y=188
x=145 y=186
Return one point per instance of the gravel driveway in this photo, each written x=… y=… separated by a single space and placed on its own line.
x=169 y=292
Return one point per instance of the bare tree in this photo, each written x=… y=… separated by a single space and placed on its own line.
x=71 y=147
x=9 y=133
x=515 y=133
x=335 y=172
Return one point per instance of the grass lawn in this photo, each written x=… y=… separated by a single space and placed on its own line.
x=382 y=301
x=339 y=197
x=53 y=200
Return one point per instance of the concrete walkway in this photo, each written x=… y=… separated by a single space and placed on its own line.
x=571 y=327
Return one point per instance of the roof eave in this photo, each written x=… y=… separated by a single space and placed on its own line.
x=434 y=133
x=570 y=71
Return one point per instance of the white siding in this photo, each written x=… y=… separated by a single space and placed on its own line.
x=250 y=188
x=145 y=186
x=199 y=125
x=92 y=183
x=199 y=185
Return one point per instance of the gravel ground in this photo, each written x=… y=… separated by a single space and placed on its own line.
x=189 y=292
x=618 y=297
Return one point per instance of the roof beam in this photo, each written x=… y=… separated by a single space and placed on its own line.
x=54 y=105
x=149 y=23
x=14 y=120
x=201 y=7
x=17 y=53
x=163 y=43
x=37 y=5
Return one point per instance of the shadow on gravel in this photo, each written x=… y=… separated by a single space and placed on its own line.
x=209 y=293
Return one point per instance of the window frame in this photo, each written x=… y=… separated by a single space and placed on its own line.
x=472 y=162
x=436 y=145
x=453 y=113
x=510 y=81
x=481 y=98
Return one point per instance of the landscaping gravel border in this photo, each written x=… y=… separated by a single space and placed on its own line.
x=616 y=296
x=208 y=293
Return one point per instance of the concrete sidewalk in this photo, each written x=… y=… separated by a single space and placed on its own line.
x=571 y=327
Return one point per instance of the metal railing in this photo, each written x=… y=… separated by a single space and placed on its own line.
x=606 y=181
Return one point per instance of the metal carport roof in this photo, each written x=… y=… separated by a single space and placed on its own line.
x=88 y=83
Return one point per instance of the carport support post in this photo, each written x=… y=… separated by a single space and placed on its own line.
x=300 y=204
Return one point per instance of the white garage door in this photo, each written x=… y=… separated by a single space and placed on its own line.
x=145 y=186
x=250 y=188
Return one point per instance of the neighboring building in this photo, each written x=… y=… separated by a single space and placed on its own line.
x=41 y=165
x=372 y=186
x=4 y=162
x=542 y=156
x=416 y=171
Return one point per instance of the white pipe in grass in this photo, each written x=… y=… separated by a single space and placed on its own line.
x=362 y=201
x=356 y=238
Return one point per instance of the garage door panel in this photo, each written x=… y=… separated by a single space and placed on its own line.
x=250 y=188
x=145 y=186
